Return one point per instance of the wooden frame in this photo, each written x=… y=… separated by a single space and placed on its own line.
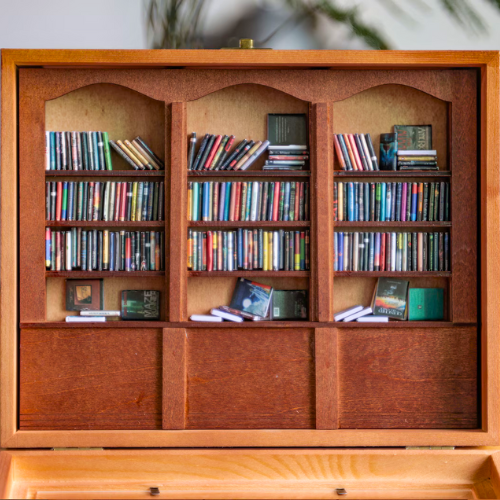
x=486 y=62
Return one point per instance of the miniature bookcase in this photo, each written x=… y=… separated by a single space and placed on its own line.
x=319 y=375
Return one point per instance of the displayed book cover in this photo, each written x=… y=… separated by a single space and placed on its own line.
x=390 y=298
x=85 y=295
x=414 y=136
x=426 y=304
x=140 y=305
x=388 y=150
x=289 y=305
x=285 y=129
x=250 y=297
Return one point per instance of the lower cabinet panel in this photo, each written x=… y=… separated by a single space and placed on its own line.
x=90 y=379
x=250 y=379
x=408 y=378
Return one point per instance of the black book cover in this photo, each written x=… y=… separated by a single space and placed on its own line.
x=414 y=252
x=287 y=129
x=142 y=305
x=412 y=137
x=390 y=298
x=289 y=305
x=425 y=213
x=85 y=151
x=372 y=201
x=399 y=191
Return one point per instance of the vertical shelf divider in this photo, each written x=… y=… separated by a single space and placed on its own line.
x=177 y=275
x=320 y=122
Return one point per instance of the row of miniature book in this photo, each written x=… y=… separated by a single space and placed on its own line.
x=248 y=249
x=90 y=151
x=258 y=302
x=86 y=296
x=107 y=201
x=104 y=250
x=394 y=299
x=248 y=201
x=286 y=142
x=377 y=251
x=391 y=201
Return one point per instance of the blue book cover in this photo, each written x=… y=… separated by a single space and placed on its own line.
x=229 y=186
x=335 y=252
x=96 y=152
x=222 y=200
x=253 y=298
x=52 y=150
x=240 y=248
x=71 y=199
x=414 y=202
x=356 y=201
x=287 y=202
x=340 y=253
x=383 y=196
x=196 y=201
x=205 y=215
x=350 y=200
x=367 y=200
x=112 y=251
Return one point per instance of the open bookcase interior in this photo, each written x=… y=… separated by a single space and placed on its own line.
x=378 y=109
x=331 y=380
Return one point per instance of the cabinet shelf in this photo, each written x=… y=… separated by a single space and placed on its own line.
x=408 y=225
x=105 y=173
x=250 y=173
x=247 y=274
x=393 y=274
x=103 y=274
x=106 y=224
x=392 y=173
x=249 y=224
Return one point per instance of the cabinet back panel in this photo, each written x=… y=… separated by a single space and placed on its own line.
x=250 y=379
x=90 y=379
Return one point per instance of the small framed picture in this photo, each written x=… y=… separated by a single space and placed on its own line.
x=84 y=294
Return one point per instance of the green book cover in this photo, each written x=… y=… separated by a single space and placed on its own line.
x=289 y=305
x=107 y=152
x=431 y=201
x=140 y=305
x=426 y=304
x=412 y=137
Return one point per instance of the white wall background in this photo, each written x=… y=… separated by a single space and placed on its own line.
x=119 y=24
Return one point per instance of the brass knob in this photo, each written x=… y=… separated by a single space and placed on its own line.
x=246 y=43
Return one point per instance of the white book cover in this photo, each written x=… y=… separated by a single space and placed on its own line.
x=206 y=317
x=347 y=312
x=84 y=319
x=373 y=319
x=417 y=152
x=99 y=313
x=364 y=312
x=287 y=147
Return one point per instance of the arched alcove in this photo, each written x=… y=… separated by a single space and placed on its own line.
x=118 y=110
x=377 y=110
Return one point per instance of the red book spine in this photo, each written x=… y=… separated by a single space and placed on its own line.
x=210 y=251
x=123 y=204
x=340 y=156
x=245 y=249
x=276 y=200
x=117 y=201
x=237 y=187
x=355 y=152
x=59 y=200
x=212 y=152
x=219 y=250
x=58 y=250
x=128 y=252
x=382 y=252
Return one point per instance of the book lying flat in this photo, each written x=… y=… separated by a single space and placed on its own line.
x=347 y=312
x=226 y=315
x=85 y=319
x=205 y=317
x=364 y=312
x=373 y=319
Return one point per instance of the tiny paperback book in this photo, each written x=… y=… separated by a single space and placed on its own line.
x=289 y=305
x=414 y=136
x=140 y=305
x=391 y=298
x=250 y=297
x=84 y=295
x=287 y=129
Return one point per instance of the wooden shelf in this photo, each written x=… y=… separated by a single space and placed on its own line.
x=393 y=274
x=247 y=324
x=392 y=173
x=105 y=173
x=407 y=225
x=102 y=223
x=103 y=274
x=246 y=224
x=250 y=173
x=246 y=274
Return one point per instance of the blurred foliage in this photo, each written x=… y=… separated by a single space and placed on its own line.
x=174 y=24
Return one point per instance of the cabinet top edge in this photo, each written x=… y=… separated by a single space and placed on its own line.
x=235 y=58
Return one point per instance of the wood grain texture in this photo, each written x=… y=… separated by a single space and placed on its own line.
x=321 y=296
x=8 y=253
x=327 y=378
x=463 y=234
x=250 y=379
x=90 y=379
x=6 y=474
x=423 y=379
x=174 y=378
x=490 y=243
x=178 y=223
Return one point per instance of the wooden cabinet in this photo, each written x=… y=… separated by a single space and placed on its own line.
x=270 y=385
